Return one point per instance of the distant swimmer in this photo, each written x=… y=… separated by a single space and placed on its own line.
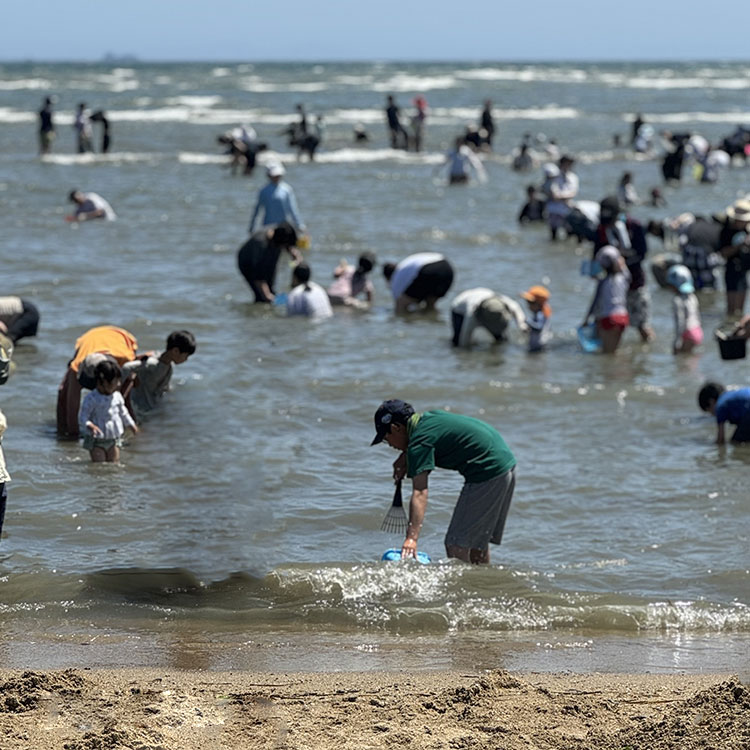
x=399 y=136
x=89 y=206
x=351 y=283
x=418 y=121
x=104 y=417
x=486 y=123
x=101 y=117
x=307 y=298
x=418 y=281
x=19 y=318
x=46 y=127
x=462 y=162
x=277 y=201
x=82 y=126
x=258 y=257
x=360 y=133
x=482 y=308
x=444 y=440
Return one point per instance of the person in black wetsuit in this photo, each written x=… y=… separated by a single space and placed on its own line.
x=99 y=116
x=46 y=127
x=399 y=136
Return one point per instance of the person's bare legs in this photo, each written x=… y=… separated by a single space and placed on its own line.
x=647 y=333
x=113 y=454
x=473 y=556
x=98 y=455
x=736 y=302
x=610 y=338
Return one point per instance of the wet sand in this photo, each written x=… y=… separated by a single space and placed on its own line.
x=141 y=709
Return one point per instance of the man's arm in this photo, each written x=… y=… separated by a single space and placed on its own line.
x=720 y=435
x=417 y=507
x=254 y=217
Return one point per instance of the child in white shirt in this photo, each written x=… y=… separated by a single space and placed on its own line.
x=104 y=416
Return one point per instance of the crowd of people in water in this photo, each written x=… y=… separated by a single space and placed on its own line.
x=698 y=252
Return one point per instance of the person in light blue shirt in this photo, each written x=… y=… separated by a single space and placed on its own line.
x=277 y=201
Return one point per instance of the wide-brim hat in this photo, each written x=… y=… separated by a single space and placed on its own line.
x=739 y=210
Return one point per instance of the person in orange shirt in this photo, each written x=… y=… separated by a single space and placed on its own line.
x=110 y=341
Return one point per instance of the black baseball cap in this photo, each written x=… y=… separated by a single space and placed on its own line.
x=394 y=410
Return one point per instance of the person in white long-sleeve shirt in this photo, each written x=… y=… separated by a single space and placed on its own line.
x=561 y=190
x=484 y=308
x=104 y=416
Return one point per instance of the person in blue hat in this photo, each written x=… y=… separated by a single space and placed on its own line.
x=440 y=439
x=688 y=332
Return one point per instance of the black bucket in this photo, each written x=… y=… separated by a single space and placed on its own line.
x=731 y=347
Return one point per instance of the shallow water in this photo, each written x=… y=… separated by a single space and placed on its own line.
x=249 y=509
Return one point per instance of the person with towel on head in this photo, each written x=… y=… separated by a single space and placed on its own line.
x=476 y=450
x=483 y=308
x=92 y=346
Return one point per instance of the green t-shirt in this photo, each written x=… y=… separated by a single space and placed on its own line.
x=452 y=441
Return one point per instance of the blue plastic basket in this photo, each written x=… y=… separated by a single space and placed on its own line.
x=393 y=555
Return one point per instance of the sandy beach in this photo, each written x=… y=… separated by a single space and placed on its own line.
x=149 y=710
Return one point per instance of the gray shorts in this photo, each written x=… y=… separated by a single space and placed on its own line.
x=639 y=307
x=480 y=513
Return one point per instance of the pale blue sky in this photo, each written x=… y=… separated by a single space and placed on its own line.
x=374 y=30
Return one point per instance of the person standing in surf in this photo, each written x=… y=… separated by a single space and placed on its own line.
x=440 y=439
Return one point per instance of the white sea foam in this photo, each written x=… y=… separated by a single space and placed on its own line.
x=194 y=101
x=115 y=157
x=405 y=82
x=256 y=86
x=25 y=83
x=552 y=75
x=735 y=118
x=221 y=72
x=662 y=82
x=189 y=157
x=10 y=115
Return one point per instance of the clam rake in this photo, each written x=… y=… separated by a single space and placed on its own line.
x=395 y=521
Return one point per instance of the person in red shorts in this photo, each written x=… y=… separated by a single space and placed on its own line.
x=609 y=305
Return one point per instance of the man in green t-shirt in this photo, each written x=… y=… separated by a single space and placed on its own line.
x=439 y=439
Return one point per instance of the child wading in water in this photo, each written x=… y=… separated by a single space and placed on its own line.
x=537 y=299
x=687 y=317
x=104 y=416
